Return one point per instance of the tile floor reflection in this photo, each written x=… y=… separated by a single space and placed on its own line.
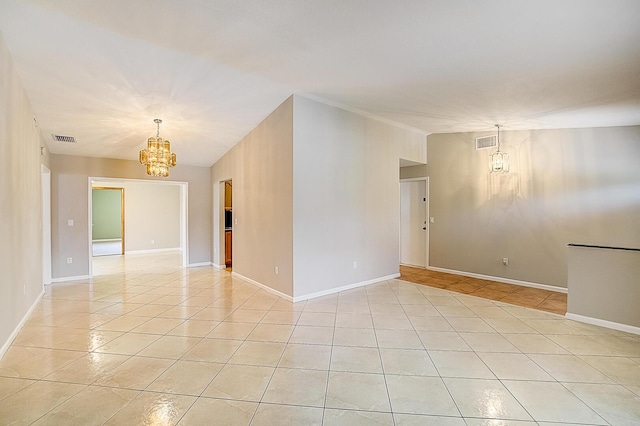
x=197 y=346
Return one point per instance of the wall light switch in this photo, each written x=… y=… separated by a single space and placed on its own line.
x=432 y=220
x=70 y=222
x=69 y=260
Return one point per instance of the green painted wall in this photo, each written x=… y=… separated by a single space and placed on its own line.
x=107 y=211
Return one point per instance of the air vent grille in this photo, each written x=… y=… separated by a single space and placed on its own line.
x=486 y=142
x=67 y=139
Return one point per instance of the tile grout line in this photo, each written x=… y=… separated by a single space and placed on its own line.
x=394 y=287
x=431 y=359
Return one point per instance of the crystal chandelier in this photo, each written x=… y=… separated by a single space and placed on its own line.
x=158 y=156
x=499 y=162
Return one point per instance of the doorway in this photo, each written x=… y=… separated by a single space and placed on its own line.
x=170 y=225
x=228 y=224
x=107 y=221
x=414 y=229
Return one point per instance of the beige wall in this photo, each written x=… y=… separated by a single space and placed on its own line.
x=145 y=222
x=604 y=285
x=315 y=188
x=70 y=180
x=20 y=203
x=346 y=196
x=412 y=172
x=565 y=186
x=261 y=168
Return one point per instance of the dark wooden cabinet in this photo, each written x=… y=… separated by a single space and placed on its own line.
x=227 y=195
x=227 y=248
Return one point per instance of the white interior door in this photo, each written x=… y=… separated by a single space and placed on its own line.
x=413 y=223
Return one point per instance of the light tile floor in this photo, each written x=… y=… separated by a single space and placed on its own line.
x=196 y=346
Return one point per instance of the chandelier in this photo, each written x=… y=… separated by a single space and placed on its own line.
x=499 y=161
x=158 y=156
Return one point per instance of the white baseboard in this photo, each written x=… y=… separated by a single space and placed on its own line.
x=343 y=288
x=316 y=294
x=195 y=265
x=152 y=251
x=76 y=278
x=603 y=323
x=412 y=266
x=262 y=286
x=106 y=240
x=500 y=279
x=24 y=319
x=215 y=265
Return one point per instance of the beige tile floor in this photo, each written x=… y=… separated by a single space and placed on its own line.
x=196 y=346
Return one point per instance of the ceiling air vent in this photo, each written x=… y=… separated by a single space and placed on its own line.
x=60 y=138
x=486 y=142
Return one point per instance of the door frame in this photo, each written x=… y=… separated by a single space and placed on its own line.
x=224 y=212
x=45 y=174
x=184 y=212
x=122 y=234
x=218 y=222
x=427 y=206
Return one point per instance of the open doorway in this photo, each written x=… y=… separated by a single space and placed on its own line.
x=228 y=224
x=107 y=221
x=414 y=227
x=156 y=218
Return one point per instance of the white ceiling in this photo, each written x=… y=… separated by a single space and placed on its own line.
x=213 y=69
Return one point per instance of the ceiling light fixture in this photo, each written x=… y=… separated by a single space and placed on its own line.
x=158 y=156
x=499 y=162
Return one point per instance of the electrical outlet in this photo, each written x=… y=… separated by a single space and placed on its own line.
x=505 y=261
x=276 y=270
x=70 y=222
x=69 y=260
